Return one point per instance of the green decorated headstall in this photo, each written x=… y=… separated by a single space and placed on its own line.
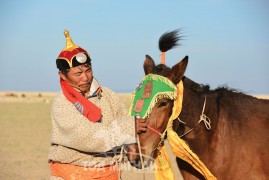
x=152 y=88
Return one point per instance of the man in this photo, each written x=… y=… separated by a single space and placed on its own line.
x=87 y=120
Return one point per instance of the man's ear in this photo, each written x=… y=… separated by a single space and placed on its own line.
x=62 y=75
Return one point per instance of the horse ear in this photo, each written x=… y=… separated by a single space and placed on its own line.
x=179 y=69
x=149 y=65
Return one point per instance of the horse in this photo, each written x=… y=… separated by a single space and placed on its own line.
x=236 y=143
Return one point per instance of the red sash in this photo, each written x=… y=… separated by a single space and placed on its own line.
x=83 y=105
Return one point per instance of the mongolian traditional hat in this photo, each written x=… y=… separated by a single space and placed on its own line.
x=72 y=55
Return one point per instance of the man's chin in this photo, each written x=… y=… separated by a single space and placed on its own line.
x=85 y=89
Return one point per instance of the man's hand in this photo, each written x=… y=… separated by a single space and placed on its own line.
x=141 y=125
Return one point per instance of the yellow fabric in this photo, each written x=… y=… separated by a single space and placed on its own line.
x=179 y=147
x=164 y=168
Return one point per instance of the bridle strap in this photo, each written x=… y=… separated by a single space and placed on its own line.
x=203 y=118
x=154 y=130
x=162 y=135
x=140 y=156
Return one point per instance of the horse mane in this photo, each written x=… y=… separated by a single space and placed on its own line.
x=205 y=88
x=169 y=40
x=221 y=91
x=195 y=87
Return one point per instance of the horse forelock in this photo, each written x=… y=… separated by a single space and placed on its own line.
x=164 y=71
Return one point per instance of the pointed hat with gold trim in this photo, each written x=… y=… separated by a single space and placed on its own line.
x=72 y=55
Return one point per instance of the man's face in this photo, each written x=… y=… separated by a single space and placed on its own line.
x=79 y=77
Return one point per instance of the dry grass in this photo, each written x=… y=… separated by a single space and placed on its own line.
x=25 y=136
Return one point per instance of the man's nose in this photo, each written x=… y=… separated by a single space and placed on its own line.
x=85 y=77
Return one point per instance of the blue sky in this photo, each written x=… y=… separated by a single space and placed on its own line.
x=227 y=41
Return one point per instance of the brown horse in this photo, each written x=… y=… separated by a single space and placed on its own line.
x=235 y=146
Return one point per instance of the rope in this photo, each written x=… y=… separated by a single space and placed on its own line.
x=162 y=135
x=181 y=120
x=119 y=163
x=203 y=118
x=140 y=155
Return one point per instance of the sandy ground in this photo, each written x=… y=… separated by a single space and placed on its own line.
x=25 y=137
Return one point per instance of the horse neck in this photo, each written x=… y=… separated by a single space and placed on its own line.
x=195 y=98
x=196 y=104
x=192 y=107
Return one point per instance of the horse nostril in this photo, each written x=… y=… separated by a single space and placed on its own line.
x=136 y=163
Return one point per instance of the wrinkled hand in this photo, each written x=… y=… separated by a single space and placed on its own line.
x=141 y=125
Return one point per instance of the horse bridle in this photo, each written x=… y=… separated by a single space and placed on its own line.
x=203 y=118
x=162 y=136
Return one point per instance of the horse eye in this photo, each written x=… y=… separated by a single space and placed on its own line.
x=162 y=104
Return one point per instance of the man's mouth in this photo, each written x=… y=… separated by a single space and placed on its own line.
x=84 y=85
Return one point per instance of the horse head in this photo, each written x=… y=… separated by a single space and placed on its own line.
x=158 y=118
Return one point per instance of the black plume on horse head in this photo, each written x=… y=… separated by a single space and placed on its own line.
x=169 y=40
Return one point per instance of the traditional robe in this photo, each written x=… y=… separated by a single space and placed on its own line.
x=75 y=140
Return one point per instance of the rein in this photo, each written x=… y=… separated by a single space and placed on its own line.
x=162 y=136
x=203 y=118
